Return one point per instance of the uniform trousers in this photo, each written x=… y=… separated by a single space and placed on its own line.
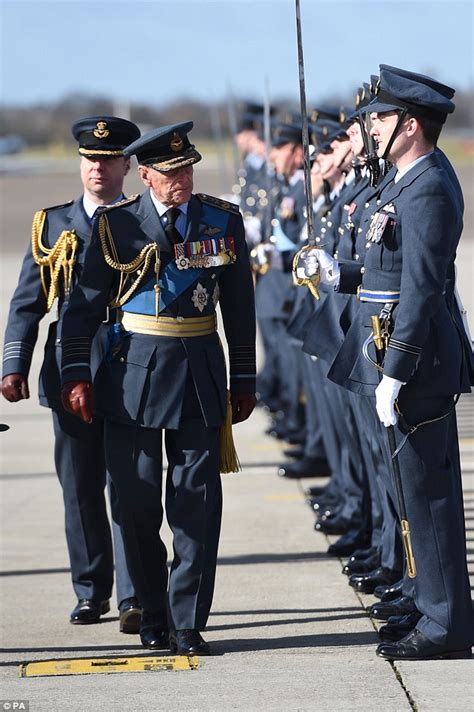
x=431 y=476
x=193 y=505
x=80 y=465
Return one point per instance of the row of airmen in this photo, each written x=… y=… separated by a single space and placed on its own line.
x=391 y=240
x=387 y=215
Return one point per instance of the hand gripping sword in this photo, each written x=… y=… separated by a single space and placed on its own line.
x=379 y=340
x=298 y=260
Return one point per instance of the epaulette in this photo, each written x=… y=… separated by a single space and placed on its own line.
x=218 y=203
x=120 y=204
x=56 y=207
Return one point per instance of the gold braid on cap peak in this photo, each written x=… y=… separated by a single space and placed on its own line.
x=142 y=260
x=99 y=152
x=60 y=257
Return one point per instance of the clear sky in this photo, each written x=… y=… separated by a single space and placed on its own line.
x=163 y=50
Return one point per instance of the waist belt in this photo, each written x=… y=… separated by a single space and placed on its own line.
x=369 y=295
x=180 y=326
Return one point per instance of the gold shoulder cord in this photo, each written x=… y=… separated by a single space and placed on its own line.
x=142 y=260
x=60 y=257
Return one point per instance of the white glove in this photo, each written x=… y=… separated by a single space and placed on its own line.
x=253 y=230
x=385 y=396
x=315 y=260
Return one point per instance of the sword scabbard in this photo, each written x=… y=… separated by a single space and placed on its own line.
x=411 y=566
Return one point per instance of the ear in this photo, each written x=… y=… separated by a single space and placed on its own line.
x=126 y=167
x=413 y=126
x=143 y=172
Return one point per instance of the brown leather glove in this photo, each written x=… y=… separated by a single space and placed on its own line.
x=15 y=387
x=242 y=406
x=78 y=398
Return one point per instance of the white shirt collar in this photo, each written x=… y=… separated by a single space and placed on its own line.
x=90 y=207
x=296 y=177
x=350 y=177
x=161 y=208
x=411 y=165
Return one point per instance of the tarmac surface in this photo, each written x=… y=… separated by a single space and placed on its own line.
x=286 y=630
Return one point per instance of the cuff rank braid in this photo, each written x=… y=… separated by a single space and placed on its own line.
x=19 y=350
x=77 y=355
x=242 y=362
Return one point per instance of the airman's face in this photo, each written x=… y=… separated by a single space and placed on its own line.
x=102 y=177
x=172 y=188
x=382 y=128
x=329 y=169
x=355 y=137
x=286 y=158
x=342 y=153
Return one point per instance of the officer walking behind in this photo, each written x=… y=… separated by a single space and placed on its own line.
x=166 y=258
x=51 y=267
x=407 y=279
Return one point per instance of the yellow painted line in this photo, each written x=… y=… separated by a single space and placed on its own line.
x=87 y=666
x=283 y=497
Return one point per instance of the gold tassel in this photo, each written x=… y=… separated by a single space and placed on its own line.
x=229 y=460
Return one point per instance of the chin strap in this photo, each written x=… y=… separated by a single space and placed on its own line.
x=401 y=118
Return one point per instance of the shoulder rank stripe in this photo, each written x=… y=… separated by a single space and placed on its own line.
x=120 y=204
x=62 y=205
x=218 y=203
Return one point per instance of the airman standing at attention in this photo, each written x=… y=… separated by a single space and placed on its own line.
x=407 y=280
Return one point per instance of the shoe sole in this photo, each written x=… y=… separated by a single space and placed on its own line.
x=105 y=608
x=130 y=621
x=176 y=651
x=453 y=655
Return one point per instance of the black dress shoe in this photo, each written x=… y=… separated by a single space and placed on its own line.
x=398 y=627
x=306 y=467
x=321 y=504
x=294 y=452
x=188 y=642
x=130 y=615
x=154 y=634
x=362 y=566
x=399 y=607
x=389 y=593
x=315 y=492
x=333 y=525
x=88 y=610
x=366 y=583
x=347 y=543
x=360 y=554
x=416 y=646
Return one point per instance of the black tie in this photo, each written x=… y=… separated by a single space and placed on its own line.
x=171 y=216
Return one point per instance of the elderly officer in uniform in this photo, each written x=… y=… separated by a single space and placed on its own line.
x=51 y=267
x=166 y=258
x=408 y=270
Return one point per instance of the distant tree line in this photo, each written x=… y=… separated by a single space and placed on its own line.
x=50 y=124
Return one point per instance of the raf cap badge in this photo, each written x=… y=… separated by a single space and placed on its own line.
x=101 y=131
x=176 y=143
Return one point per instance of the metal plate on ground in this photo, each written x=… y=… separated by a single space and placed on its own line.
x=88 y=666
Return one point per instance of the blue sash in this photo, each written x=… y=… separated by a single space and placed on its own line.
x=173 y=281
